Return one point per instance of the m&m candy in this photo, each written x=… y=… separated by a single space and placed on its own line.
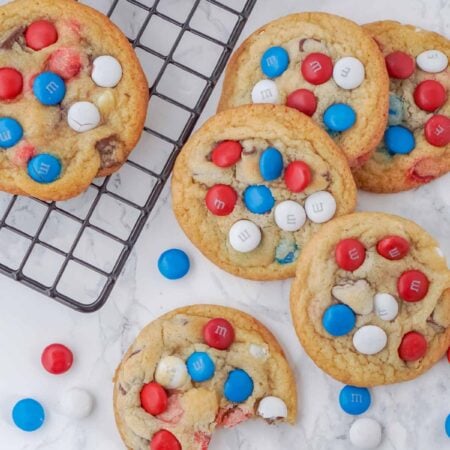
x=339 y=117
x=338 y=320
x=40 y=34
x=238 y=387
x=244 y=236
x=393 y=247
x=44 y=168
x=412 y=285
x=258 y=199
x=447 y=425
x=317 y=68
x=271 y=408
x=400 y=65
x=11 y=132
x=11 y=83
x=429 y=95
x=348 y=72
x=83 y=116
x=106 y=71
x=297 y=176
x=218 y=333
x=432 y=61
x=221 y=199
x=153 y=398
x=171 y=372
x=65 y=62
x=437 y=130
x=303 y=100
x=271 y=164
x=174 y=264
x=320 y=207
x=289 y=215
x=57 y=359
x=350 y=254
x=354 y=400
x=396 y=112
x=386 y=306
x=274 y=61
x=28 y=414
x=164 y=440
x=370 y=340
x=265 y=91
x=49 y=88
x=226 y=154
x=200 y=367
x=413 y=346
x=76 y=403
x=399 y=140
x=365 y=433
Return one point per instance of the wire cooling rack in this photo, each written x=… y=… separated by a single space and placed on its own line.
x=74 y=251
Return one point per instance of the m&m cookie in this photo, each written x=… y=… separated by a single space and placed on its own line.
x=73 y=98
x=254 y=184
x=415 y=148
x=195 y=369
x=371 y=300
x=323 y=65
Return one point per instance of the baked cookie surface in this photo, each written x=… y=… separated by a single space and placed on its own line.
x=326 y=66
x=253 y=184
x=73 y=98
x=196 y=368
x=416 y=144
x=371 y=300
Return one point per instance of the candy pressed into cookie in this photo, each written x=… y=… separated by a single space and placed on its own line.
x=197 y=368
x=371 y=299
x=416 y=144
x=254 y=184
x=326 y=66
x=73 y=98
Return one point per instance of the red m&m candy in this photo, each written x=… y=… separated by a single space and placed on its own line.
x=303 y=100
x=317 y=68
x=66 y=62
x=153 y=398
x=350 y=254
x=297 y=176
x=400 y=65
x=430 y=95
x=412 y=285
x=164 y=440
x=226 y=154
x=218 y=333
x=437 y=130
x=413 y=346
x=11 y=83
x=40 y=34
x=221 y=199
x=448 y=355
x=393 y=247
x=57 y=359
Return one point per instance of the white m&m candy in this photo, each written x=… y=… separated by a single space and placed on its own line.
x=370 y=340
x=320 y=207
x=348 y=72
x=106 y=71
x=76 y=403
x=272 y=408
x=265 y=91
x=244 y=236
x=83 y=116
x=171 y=372
x=289 y=215
x=365 y=433
x=386 y=307
x=432 y=61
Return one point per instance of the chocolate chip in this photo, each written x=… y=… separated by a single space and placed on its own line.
x=15 y=36
x=302 y=43
x=107 y=148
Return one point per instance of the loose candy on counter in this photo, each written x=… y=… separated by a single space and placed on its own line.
x=57 y=359
x=412 y=347
x=350 y=254
x=226 y=154
x=83 y=116
x=393 y=247
x=76 y=403
x=386 y=306
x=271 y=164
x=153 y=398
x=338 y=320
x=274 y=62
x=412 y=285
x=258 y=199
x=265 y=91
x=221 y=199
x=432 y=61
x=400 y=65
x=65 y=62
x=399 y=140
x=354 y=400
x=289 y=215
x=200 y=367
x=171 y=372
x=28 y=414
x=320 y=207
x=164 y=440
x=271 y=408
x=297 y=176
x=44 y=168
x=430 y=95
x=244 y=236
x=106 y=71
x=339 y=117
x=365 y=433
x=11 y=83
x=370 y=340
x=447 y=426
x=437 y=130
x=302 y=100
x=348 y=72
x=40 y=34
x=317 y=68
x=173 y=264
x=49 y=88
x=218 y=333
x=11 y=132
x=238 y=386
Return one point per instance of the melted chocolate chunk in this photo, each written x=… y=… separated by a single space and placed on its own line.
x=15 y=36
x=107 y=148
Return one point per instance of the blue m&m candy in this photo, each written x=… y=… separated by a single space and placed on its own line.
x=238 y=386
x=274 y=62
x=354 y=400
x=200 y=366
x=174 y=264
x=11 y=132
x=399 y=140
x=271 y=164
x=49 y=88
x=44 y=168
x=338 y=320
x=447 y=425
x=258 y=199
x=28 y=414
x=339 y=117
x=395 y=110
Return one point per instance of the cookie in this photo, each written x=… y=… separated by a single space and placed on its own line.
x=416 y=144
x=252 y=186
x=371 y=300
x=323 y=65
x=197 y=368
x=73 y=98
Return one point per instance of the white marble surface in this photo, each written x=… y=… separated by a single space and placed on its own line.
x=412 y=414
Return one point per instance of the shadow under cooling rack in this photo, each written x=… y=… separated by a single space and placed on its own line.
x=74 y=251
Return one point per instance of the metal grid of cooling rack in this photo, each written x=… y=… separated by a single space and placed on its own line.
x=74 y=251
